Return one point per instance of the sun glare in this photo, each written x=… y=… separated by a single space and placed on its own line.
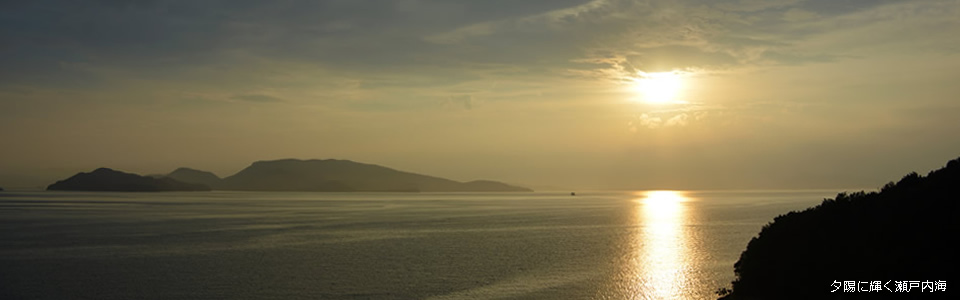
x=659 y=88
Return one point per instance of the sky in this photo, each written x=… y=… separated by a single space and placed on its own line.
x=543 y=93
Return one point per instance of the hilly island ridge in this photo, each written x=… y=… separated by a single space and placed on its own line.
x=109 y=180
x=315 y=175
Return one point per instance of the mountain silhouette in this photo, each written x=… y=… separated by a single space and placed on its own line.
x=196 y=176
x=104 y=179
x=904 y=232
x=332 y=175
x=492 y=186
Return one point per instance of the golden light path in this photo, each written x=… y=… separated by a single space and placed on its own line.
x=661 y=267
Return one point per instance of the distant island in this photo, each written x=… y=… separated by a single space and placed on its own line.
x=860 y=241
x=328 y=175
x=105 y=179
x=195 y=176
x=334 y=175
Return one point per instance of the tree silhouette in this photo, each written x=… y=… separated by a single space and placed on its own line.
x=904 y=232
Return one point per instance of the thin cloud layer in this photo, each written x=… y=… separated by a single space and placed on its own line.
x=491 y=81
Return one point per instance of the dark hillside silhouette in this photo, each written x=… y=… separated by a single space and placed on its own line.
x=196 y=176
x=332 y=175
x=905 y=232
x=491 y=186
x=104 y=179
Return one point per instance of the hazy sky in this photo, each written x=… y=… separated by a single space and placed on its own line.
x=773 y=94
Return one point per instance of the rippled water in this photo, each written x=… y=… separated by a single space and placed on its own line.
x=248 y=245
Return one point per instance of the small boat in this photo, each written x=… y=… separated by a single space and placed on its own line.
x=573 y=193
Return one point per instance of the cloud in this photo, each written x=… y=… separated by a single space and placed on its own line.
x=407 y=47
x=460 y=34
x=796 y=14
x=678 y=120
x=460 y=101
x=755 y=5
x=534 y=70
x=645 y=120
x=683 y=115
x=256 y=98
x=700 y=115
x=654 y=120
x=668 y=58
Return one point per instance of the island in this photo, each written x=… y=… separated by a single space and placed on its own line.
x=874 y=245
x=105 y=179
x=295 y=175
x=335 y=175
x=196 y=176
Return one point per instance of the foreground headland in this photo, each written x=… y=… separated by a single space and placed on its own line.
x=874 y=245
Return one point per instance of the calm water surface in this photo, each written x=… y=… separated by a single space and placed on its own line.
x=249 y=245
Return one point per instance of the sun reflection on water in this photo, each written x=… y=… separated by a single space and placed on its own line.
x=658 y=266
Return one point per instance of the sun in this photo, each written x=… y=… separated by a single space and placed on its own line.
x=658 y=88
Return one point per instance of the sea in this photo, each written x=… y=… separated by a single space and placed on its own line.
x=297 y=245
